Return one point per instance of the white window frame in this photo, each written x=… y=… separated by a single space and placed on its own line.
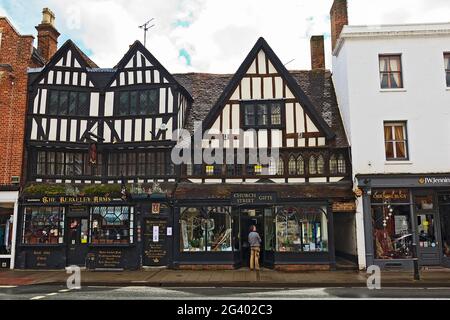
x=394 y=124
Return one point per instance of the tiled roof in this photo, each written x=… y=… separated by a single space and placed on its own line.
x=317 y=85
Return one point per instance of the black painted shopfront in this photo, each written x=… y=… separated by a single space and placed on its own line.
x=296 y=228
x=182 y=228
x=406 y=216
x=95 y=232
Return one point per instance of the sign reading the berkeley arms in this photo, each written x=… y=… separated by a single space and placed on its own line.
x=71 y=200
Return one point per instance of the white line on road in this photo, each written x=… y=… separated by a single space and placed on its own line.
x=37 y=297
x=8 y=287
x=52 y=294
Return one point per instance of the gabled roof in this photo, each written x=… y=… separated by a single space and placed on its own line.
x=317 y=85
x=82 y=58
x=138 y=46
x=299 y=94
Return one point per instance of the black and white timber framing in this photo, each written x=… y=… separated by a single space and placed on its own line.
x=73 y=103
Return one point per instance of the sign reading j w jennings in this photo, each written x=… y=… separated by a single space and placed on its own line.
x=431 y=180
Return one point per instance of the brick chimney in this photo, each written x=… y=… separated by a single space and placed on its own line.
x=339 y=18
x=317 y=53
x=47 y=35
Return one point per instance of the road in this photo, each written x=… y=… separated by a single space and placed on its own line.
x=44 y=292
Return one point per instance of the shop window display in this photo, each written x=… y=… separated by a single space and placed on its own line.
x=43 y=225
x=392 y=231
x=111 y=225
x=301 y=229
x=6 y=230
x=205 y=229
x=427 y=231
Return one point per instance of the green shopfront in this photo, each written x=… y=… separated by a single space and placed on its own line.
x=406 y=216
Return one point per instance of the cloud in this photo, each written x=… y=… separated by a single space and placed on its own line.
x=208 y=35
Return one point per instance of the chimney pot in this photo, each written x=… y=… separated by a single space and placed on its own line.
x=317 y=53
x=339 y=19
x=47 y=35
x=48 y=17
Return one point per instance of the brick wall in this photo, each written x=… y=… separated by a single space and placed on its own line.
x=15 y=57
x=317 y=53
x=339 y=18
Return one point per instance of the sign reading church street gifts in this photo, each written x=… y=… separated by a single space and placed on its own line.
x=71 y=200
x=243 y=198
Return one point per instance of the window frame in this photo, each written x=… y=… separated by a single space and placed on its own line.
x=60 y=111
x=447 y=71
x=270 y=104
x=381 y=73
x=138 y=109
x=127 y=224
x=393 y=124
x=42 y=211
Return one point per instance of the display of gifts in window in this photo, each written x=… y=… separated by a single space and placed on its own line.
x=301 y=230
x=424 y=202
x=392 y=232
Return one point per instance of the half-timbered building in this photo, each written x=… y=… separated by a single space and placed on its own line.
x=295 y=198
x=104 y=190
x=98 y=145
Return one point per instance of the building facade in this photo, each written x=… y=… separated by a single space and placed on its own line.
x=103 y=189
x=98 y=145
x=16 y=55
x=392 y=83
x=296 y=199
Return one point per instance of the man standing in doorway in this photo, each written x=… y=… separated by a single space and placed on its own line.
x=255 y=242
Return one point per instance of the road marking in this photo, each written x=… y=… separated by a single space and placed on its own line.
x=8 y=287
x=52 y=294
x=37 y=297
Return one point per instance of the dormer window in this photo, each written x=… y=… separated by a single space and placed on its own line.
x=263 y=114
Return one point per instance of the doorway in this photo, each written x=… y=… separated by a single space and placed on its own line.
x=428 y=230
x=77 y=241
x=262 y=218
x=155 y=242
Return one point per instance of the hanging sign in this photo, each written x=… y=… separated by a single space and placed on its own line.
x=156 y=208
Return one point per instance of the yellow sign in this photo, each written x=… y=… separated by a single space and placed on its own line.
x=69 y=200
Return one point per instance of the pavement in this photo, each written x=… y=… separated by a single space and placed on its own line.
x=434 y=278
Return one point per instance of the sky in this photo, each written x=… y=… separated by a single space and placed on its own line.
x=209 y=35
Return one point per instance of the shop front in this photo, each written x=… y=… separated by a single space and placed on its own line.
x=406 y=216
x=8 y=217
x=295 y=225
x=107 y=231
